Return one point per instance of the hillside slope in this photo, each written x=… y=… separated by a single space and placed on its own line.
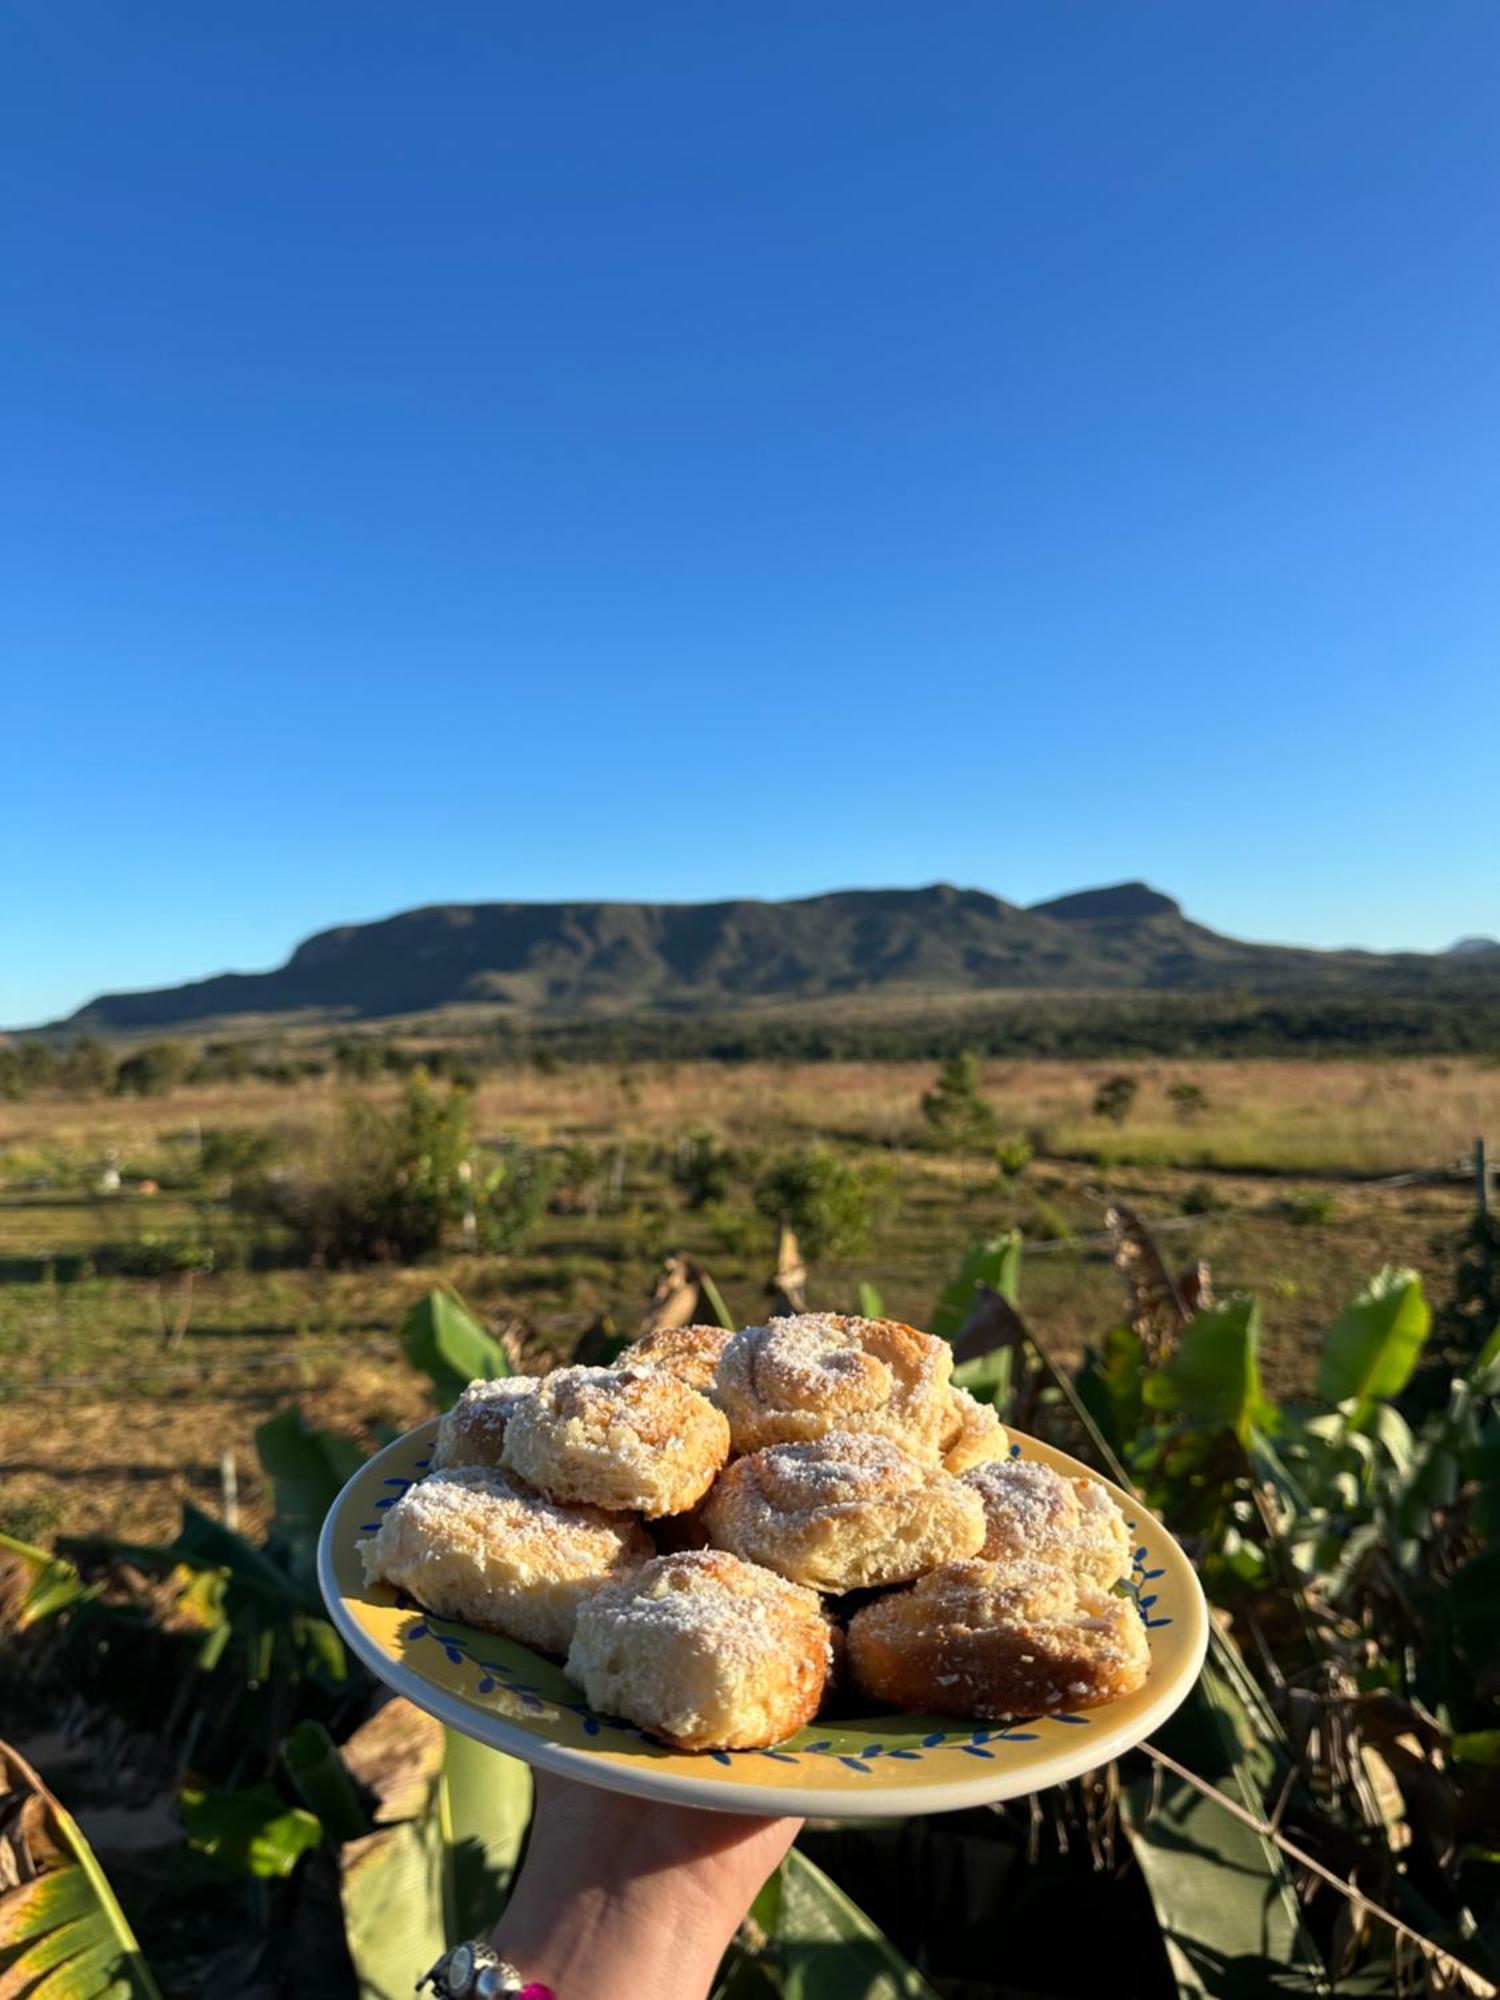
x=560 y=960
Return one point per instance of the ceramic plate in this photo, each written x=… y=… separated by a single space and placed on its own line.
x=873 y=1766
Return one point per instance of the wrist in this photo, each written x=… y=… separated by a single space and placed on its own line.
x=612 y=1939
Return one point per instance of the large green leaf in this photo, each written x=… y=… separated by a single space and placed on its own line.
x=830 y=1950
x=441 y=1338
x=65 y=1931
x=307 y=1468
x=1374 y=1344
x=484 y=1809
x=251 y=1831
x=445 y=1872
x=988 y=1376
x=1213 y=1380
x=994 y=1261
x=321 y=1777
x=1226 y=1901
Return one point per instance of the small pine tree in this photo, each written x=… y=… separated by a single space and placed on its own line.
x=959 y=1118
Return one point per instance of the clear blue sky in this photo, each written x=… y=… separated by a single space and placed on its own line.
x=680 y=450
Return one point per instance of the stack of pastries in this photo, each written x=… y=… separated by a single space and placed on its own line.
x=688 y=1528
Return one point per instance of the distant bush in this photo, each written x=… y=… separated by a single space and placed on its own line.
x=385 y=1186
x=511 y=1195
x=1311 y=1207
x=1202 y=1199
x=703 y=1169
x=1115 y=1099
x=1187 y=1099
x=231 y=1151
x=153 y=1070
x=1013 y=1156
x=833 y=1207
x=157 y=1256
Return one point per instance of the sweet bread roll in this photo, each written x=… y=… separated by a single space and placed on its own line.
x=475 y=1544
x=801 y=1377
x=847 y=1511
x=691 y=1353
x=472 y=1432
x=1032 y=1513
x=972 y=1434
x=704 y=1651
x=995 y=1640
x=622 y=1438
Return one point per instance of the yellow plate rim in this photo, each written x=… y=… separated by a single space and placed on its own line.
x=731 y=1786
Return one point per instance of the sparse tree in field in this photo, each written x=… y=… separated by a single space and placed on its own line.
x=1187 y=1099
x=1115 y=1098
x=959 y=1118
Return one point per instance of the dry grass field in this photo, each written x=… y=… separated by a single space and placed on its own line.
x=1286 y=1180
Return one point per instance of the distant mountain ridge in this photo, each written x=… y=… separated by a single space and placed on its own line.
x=570 y=960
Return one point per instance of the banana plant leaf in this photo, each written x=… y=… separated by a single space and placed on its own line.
x=1231 y=1921
x=35 y=1586
x=415 y=1885
x=442 y=1340
x=62 y=1933
x=828 y=1949
x=1213 y=1380
x=251 y=1830
x=994 y=1261
x=1376 y=1341
x=307 y=1468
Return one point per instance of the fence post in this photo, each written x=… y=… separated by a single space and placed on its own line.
x=1481 y=1178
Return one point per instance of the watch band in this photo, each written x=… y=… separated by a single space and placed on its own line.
x=476 y=1971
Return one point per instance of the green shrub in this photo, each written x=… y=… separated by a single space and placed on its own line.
x=384 y=1187
x=232 y=1150
x=511 y=1194
x=703 y=1169
x=1187 y=1099
x=1115 y=1098
x=157 y=1256
x=1202 y=1199
x=1311 y=1207
x=153 y=1070
x=1013 y=1156
x=832 y=1206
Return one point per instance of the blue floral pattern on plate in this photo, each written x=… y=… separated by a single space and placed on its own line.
x=495 y=1678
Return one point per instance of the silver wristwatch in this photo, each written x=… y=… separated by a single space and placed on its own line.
x=476 y=1971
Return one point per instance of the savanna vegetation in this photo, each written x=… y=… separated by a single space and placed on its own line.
x=218 y=1293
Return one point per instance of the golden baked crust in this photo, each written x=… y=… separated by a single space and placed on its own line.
x=801 y=1377
x=847 y=1511
x=973 y=1434
x=625 y=1438
x=472 y=1432
x=474 y=1543
x=705 y=1652
x=691 y=1353
x=997 y=1640
x=1033 y=1514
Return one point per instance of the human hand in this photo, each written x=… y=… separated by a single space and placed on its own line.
x=620 y=1896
